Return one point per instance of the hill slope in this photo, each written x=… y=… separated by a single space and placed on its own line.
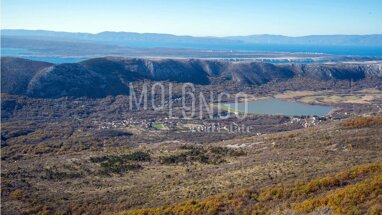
x=100 y=77
x=354 y=191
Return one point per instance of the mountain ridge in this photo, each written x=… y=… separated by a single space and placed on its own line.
x=336 y=39
x=100 y=77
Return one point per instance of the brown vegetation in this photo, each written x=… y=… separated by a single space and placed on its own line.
x=356 y=191
x=361 y=122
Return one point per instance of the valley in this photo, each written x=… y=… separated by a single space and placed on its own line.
x=104 y=152
x=191 y=107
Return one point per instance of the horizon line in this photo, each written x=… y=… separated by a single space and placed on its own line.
x=185 y=35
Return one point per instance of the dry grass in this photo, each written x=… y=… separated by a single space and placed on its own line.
x=356 y=191
x=361 y=122
x=271 y=159
x=365 y=96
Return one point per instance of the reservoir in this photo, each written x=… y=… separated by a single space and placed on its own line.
x=280 y=107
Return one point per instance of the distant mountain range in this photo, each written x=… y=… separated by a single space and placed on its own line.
x=131 y=37
x=100 y=77
x=333 y=44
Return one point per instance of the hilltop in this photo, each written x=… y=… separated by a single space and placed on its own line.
x=100 y=77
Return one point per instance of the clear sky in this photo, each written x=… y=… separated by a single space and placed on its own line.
x=196 y=17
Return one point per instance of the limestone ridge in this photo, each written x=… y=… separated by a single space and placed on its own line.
x=100 y=77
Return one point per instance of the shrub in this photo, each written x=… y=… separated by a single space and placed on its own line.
x=360 y=194
x=16 y=194
x=138 y=156
x=121 y=163
x=173 y=159
x=135 y=156
x=347 y=200
x=193 y=154
x=54 y=174
x=118 y=168
x=227 y=151
x=361 y=122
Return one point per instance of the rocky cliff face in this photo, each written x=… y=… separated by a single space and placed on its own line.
x=101 y=77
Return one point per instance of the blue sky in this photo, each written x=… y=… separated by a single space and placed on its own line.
x=196 y=17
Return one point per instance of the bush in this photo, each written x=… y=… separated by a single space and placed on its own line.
x=347 y=200
x=135 y=156
x=173 y=159
x=54 y=174
x=121 y=163
x=360 y=194
x=193 y=154
x=138 y=156
x=118 y=168
x=361 y=122
x=227 y=151
x=16 y=194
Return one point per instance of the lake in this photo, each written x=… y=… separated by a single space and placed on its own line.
x=281 y=107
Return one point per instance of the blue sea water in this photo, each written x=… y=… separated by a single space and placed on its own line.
x=324 y=49
x=334 y=50
x=15 y=51
x=56 y=60
x=27 y=54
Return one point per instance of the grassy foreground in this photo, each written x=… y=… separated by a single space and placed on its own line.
x=354 y=191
